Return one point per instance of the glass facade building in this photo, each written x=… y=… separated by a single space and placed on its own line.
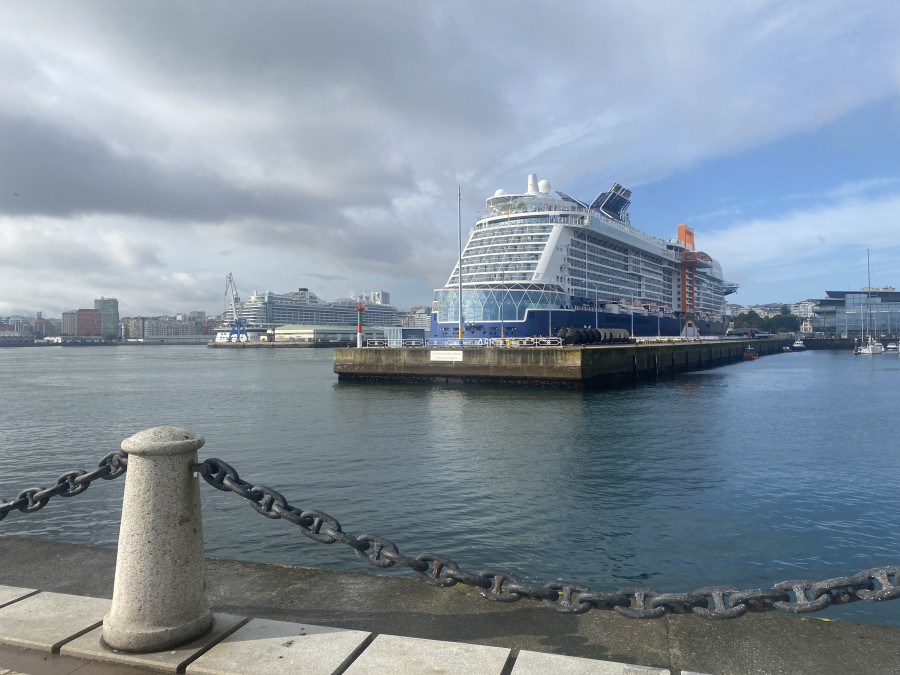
x=854 y=313
x=109 y=316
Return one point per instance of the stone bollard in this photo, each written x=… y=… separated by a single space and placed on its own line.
x=159 y=598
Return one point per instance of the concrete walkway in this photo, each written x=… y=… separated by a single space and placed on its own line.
x=71 y=625
x=274 y=618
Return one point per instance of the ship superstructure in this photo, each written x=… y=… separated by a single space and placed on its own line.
x=535 y=263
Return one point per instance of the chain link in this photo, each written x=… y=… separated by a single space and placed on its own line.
x=563 y=596
x=71 y=483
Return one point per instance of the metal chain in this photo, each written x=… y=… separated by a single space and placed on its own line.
x=563 y=596
x=71 y=483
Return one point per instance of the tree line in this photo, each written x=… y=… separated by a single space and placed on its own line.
x=785 y=322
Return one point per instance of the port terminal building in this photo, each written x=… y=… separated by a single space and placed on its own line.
x=873 y=311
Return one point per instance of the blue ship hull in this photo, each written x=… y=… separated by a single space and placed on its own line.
x=538 y=322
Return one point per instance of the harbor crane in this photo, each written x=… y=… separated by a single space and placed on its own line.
x=238 y=331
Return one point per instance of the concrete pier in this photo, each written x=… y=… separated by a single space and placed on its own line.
x=588 y=367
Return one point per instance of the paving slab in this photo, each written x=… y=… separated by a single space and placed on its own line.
x=414 y=656
x=31 y=662
x=89 y=646
x=540 y=663
x=10 y=594
x=263 y=647
x=46 y=620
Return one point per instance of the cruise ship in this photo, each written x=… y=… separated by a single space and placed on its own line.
x=537 y=264
x=270 y=310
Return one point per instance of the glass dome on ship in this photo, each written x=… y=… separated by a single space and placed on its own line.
x=535 y=263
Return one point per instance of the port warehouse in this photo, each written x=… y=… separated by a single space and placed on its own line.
x=576 y=366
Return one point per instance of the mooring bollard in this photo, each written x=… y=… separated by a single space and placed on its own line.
x=159 y=598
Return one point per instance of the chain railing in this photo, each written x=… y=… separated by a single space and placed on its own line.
x=502 y=586
x=710 y=602
x=390 y=342
x=495 y=342
x=69 y=484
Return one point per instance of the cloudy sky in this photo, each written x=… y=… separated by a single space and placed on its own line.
x=147 y=149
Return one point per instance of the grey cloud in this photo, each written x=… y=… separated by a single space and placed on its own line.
x=253 y=130
x=55 y=172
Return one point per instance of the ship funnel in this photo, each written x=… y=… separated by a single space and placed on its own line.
x=532 y=184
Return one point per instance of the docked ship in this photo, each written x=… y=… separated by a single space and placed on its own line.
x=537 y=264
x=270 y=310
x=260 y=314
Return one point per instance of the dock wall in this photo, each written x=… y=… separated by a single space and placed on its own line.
x=845 y=344
x=571 y=366
x=758 y=642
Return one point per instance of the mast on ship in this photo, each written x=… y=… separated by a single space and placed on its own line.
x=459 y=245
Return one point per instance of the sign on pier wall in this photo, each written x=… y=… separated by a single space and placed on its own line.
x=455 y=355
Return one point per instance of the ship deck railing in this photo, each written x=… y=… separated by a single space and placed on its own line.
x=469 y=342
x=566 y=219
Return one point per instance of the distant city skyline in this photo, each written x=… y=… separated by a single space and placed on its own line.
x=196 y=313
x=111 y=305
x=147 y=163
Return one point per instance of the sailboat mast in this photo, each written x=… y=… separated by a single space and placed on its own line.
x=868 y=293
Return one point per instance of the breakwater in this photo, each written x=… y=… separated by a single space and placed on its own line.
x=589 y=367
x=846 y=344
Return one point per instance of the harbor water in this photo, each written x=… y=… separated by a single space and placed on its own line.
x=787 y=467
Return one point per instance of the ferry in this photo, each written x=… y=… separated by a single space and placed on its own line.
x=536 y=265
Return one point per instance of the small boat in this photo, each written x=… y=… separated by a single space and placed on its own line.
x=870 y=346
x=798 y=346
x=750 y=353
x=891 y=347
